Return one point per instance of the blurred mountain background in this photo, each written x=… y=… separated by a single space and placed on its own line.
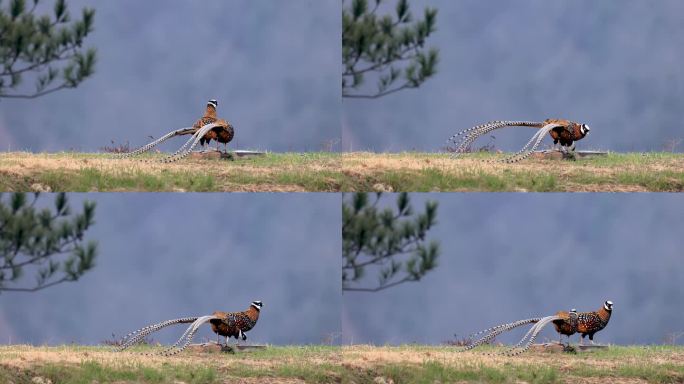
x=615 y=65
x=273 y=66
x=507 y=257
x=164 y=256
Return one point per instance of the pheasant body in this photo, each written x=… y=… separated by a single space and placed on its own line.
x=227 y=324
x=588 y=323
x=234 y=324
x=566 y=132
x=204 y=120
x=566 y=323
x=223 y=133
x=206 y=128
x=562 y=131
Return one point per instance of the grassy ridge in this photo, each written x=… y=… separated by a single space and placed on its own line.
x=79 y=172
x=331 y=172
x=425 y=172
x=355 y=364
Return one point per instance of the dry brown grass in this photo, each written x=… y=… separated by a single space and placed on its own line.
x=273 y=365
x=358 y=364
x=92 y=172
x=24 y=356
x=440 y=172
x=364 y=356
x=621 y=365
x=420 y=172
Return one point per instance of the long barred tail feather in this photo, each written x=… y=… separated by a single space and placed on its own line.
x=488 y=338
x=535 y=332
x=486 y=127
x=188 y=335
x=537 y=138
x=137 y=335
x=495 y=331
x=470 y=138
x=177 y=343
x=524 y=344
x=494 y=328
x=467 y=132
x=522 y=341
x=149 y=146
x=183 y=152
x=194 y=326
x=464 y=138
x=512 y=158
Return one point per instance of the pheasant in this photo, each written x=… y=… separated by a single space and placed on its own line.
x=221 y=134
x=227 y=324
x=207 y=128
x=208 y=118
x=235 y=324
x=225 y=135
x=563 y=132
x=588 y=323
x=567 y=323
x=566 y=133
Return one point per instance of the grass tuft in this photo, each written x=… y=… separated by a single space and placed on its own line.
x=428 y=172
x=81 y=172
x=353 y=364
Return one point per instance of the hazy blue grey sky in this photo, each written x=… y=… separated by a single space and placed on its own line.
x=272 y=65
x=507 y=257
x=615 y=65
x=164 y=256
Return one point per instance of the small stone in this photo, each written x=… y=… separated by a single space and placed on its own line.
x=37 y=187
x=383 y=380
x=379 y=187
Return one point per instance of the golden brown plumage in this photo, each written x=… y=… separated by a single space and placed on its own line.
x=584 y=323
x=235 y=324
x=208 y=118
x=562 y=131
x=227 y=324
x=225 y=134
x=567 y=133
x=588 y=323
x=222 y=134
x=220 y=130
x=567 y=324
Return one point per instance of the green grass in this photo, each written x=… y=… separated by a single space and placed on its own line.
x=425 y=172
x=90 y=371
x=431 y=372
x=81 y=172
x=653 y=364
x=331 y=172
x=325 y=364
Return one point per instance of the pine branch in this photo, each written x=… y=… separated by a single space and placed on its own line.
x=35 y=46
x=387 y=47
x=393 y=242
x=40 y=240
